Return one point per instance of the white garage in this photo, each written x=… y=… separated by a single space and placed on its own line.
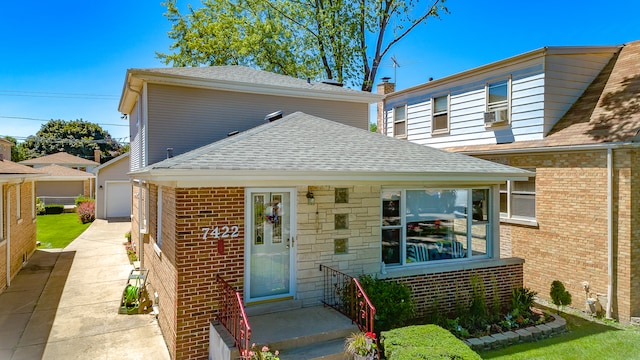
x=113 y=189
x=117 y=199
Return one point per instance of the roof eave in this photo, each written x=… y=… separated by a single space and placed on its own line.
x=541 y=52
x=306 y=177
x=137 y=77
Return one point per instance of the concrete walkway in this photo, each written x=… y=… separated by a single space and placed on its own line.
x=64 y=304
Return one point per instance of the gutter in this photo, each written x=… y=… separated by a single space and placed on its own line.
x=545 y=149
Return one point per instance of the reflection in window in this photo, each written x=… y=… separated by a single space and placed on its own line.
x=433 y=224
x=518 y=199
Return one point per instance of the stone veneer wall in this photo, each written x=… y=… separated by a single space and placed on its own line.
x=317 y=234
x=570 y=242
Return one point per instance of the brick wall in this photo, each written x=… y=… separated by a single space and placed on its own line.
x=439 y=291
x=198 y=261
x=317 y=235
x=22 y=229
x=570 y=242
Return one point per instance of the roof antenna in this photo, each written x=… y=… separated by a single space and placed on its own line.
x=395 y=66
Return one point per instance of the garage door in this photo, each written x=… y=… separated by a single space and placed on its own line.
x=118 y=199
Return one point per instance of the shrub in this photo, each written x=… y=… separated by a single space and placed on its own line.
x=86 y=212
x=393 y=302
x=559 y=295
x=82 y=199
x=53 y=209
x=522 y=300
x=40 y=209
x=127 y=236
x=424 y=342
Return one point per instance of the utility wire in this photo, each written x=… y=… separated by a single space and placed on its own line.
x=47 y=120
x=57 y=95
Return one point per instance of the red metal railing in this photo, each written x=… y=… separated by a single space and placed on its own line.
x=345 y=294
x=233 y=317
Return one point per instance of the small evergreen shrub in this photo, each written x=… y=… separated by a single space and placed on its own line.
x=392 y=300
x=53 y=209
x=86 y=212
x=424 y=342
x=559 y=295
x=82 y=199
x=40 y=209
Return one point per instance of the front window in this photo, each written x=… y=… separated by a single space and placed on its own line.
x=518 y=200
x=426 y=225
x=400 y=121
x=440 y=115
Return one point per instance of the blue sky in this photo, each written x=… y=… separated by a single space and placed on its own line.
x=67 y=59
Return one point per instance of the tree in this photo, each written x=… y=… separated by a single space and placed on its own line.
x=17 y=153
x=343 y=40
x=77 y=137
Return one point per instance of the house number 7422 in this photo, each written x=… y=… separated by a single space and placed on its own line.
x=220 y=232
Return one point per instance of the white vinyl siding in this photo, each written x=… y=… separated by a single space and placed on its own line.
x=542 y=90
x=185 y=118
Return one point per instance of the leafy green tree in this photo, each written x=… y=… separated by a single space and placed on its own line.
x=344 y=40
x=373 y=127
x=76 y=137
x=17 y=152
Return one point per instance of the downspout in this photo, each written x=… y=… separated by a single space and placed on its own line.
x=8 y=229
x=140 y=222
x=609 y=230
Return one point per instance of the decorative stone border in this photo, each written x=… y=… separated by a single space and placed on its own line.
x=528 y=334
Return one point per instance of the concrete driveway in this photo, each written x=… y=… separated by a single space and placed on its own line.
x=64 y=304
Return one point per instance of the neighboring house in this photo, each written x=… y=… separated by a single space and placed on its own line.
x=572 y=116
x=69 y=177
x=17 y=218
x=266 y=207
x=5 y=149
x=62 y=185
x=113 y=197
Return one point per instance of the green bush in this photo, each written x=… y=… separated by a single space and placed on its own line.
x=392 y=300
x=522 y=300
x=40 y=210
x=424 y=342
x=559 y=295
x=53 y=209
x=82 y=199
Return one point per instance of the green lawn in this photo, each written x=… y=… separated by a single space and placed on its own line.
x=585 y=340
x=57 y=231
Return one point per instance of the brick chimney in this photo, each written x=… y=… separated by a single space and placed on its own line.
x=96 y=155
x=385 y=87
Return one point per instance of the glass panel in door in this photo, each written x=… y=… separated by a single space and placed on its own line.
x=270 y=249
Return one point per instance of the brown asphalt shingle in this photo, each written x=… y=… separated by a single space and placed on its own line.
x=60 y=158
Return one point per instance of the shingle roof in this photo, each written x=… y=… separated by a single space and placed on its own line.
x=247 y=75
x=10 y=168
x=303 y=143
x=607 y=111
x=63 y=171
x=60 y=158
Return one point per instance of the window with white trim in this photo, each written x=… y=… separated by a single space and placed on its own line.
x=428 y=225
x=1 y=213
x=498 y=95
x=440 y=115
x=400 y=121
x=518 y=199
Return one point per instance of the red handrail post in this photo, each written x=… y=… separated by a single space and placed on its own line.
x=234 y=318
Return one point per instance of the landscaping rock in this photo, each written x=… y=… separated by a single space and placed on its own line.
x=501 y=340
x=546 y=330
x=489 y=342
x=525 y=335
x=512 y=337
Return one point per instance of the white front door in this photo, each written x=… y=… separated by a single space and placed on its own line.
x=270 y=235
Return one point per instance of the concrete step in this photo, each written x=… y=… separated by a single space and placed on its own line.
x=326 y=350
x=300 y=328
x=272 y=307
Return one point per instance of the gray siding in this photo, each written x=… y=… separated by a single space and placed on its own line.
x=185 y=118
x=134 y=140
x=567 y=77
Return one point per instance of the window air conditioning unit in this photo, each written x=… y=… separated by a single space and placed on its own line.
x=496 y=117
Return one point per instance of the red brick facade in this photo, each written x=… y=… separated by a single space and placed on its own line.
x=439 y=292
x=570 y=242
x=22 y=228
x=184 y=273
